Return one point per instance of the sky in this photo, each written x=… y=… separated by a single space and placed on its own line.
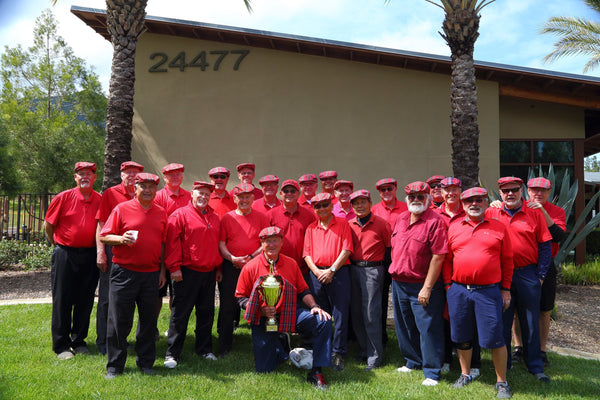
x=509 y=29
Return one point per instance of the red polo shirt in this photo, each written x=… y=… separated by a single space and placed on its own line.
x=389 y=214
x=526 y=229
x=171 y=201
x=110 y=198
x=221 y=206
x=193 y=240
x=305 y=203
x=441 y=210
x=414 y=245
x=294 y=227
x=370 y=240
x=262 y=206
x=558 y=216
x=285 y=267
x=240 y=232
x=325 y=245
x=144 y=254
x=74 y=218
x=478 y=253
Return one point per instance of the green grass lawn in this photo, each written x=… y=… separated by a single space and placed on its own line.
x=29 y=370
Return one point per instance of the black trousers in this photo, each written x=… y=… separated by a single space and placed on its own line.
x=102 y=306
x=74 y=278
x=228 y=306
x=197 y=289
x=128 y=289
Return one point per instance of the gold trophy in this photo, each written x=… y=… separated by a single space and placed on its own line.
x=270 y=290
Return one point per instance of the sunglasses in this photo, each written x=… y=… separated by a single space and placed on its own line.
x=510 y=190
x=218 y=176
x=419 y=197
x=318 y=206
x=435 y=185
x=470 y=200
x=289 y=191
x=386 y=189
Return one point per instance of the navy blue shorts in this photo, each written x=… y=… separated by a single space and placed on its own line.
x=481 y=307
x=549 y=289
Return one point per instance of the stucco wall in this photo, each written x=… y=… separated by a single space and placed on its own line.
x=292 y=114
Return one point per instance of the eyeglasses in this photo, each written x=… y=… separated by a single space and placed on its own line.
x=318 y=206
x=510 y=190
x=435 y=185
x=289 y=191
x=386 y=189
x=470 y=200
x=218 y=176
x=419 y=197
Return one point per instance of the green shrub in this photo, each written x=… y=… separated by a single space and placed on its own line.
x=586 y=274
x=31 y=256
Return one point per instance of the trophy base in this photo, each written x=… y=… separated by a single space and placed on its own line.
x=271 y=328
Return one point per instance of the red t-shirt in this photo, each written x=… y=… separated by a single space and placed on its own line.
x=193 y=240
x=478 y=253
x=144 y=254
x=74 y=218
x=240 y=232
x=325 y=245
x=262 y=206
x=110 y=198
x=294 y=227
x=171 y=201
x=370 y=240
x=560 y=219
x=526 y=229
x=286 y=267
x=441 y=210
x=414 y=245
x=389 y=214
x=221 y=206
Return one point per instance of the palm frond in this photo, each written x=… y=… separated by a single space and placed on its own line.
x=593 y=4
x=248 y=6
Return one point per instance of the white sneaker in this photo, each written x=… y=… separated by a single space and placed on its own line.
x=404 y=369
x=65 y=355
x=167 y=333
x=475 y=373
x=170 y=362
x=210 y=356
x=429 y=382
x=445 y=368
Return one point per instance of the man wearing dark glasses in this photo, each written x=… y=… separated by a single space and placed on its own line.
x=220 y=200
x=435 y=185
x=419 y=245
x=530 y=239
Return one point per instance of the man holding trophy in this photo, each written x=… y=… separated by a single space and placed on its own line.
x=268 y=289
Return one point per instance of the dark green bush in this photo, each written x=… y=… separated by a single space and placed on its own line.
x=30 y=256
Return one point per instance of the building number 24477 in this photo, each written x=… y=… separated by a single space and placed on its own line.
x=199 y=61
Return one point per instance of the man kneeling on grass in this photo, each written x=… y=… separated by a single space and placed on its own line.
x=271 y=348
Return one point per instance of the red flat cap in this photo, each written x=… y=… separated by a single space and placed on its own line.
x=268 y=179
x=416 y=187
x=509 y=179
x=360 y=193
x=201 y=184
x=435 y=178
x=386 y=181
x=218 y=170
x=342 y=183
x=243 y=188
x=307 y=178
x=539 y=183
x=451 y=181
x=270 y=231
x=320 y=197
x=476 y=191
x=245 y=165
x=328 y=174
x=290 y=182
x=85 y=165
x=131 y=164
x=173 y=167
x=146 y=177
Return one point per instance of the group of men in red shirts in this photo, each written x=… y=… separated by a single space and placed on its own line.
x=347 y=251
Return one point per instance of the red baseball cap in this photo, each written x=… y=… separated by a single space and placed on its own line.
x=320 y=198
x=131 y=164
x=450 y=181
x=268 y=179
x=386 y=181
x=243 y=188
x=307 y=178
x=473 y=192
x=85 y=165
x=201 y=184
x=328 y=174
x=146 y=177
x=360 y=193
x=290 y=182
x=539 y=183
x=342 y=183
x=416 y=187
x=434 y=178
x=218 y=170
x=172 y=168
x=245 y=165
x=509 y=179
x=270 y=231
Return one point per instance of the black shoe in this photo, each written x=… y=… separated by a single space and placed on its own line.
x=102 y=349
x=284 y=338
x=542 y=377
x=317 y=380
x=338 y=362
x=371 y=367
x=545 y=361
x=147 y=371
x=111 y=374
x=517 y=354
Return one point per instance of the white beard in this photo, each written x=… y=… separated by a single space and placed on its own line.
x=417 y=208
x=475 y=212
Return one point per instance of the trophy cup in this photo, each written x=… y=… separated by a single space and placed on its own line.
x=270 y=290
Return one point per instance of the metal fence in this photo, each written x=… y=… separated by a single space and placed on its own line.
x=22 y=216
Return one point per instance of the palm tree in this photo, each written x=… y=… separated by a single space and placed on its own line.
x=577 y=36
x=460 y=31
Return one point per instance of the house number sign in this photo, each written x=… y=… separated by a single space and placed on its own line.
x=205 y=60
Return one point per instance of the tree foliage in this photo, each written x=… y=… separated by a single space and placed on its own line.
x=591 y=164
x=52 y=108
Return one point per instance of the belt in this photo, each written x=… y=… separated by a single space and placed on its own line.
x=366 y=263
x=476 y=287
x=76 y=249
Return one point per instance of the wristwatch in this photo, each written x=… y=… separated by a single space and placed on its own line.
x=332 y=269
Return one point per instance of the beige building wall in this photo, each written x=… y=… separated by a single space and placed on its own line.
x=293 y=114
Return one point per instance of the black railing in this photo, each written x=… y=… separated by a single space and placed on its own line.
x=22 y=217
